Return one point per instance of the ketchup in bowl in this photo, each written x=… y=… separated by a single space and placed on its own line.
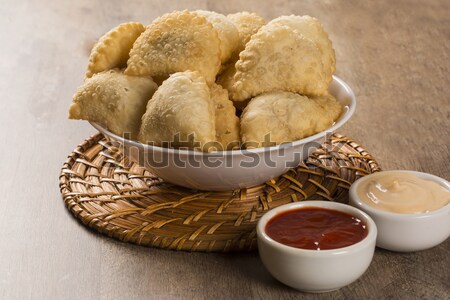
x=316 y=228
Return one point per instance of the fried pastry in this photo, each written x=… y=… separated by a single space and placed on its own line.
x=223 y=80
x=180 y=114
x=226 y=78
x=227 y=32
x=176 y=42
x=278 y=58
x=312 y=29
x=112 y=49
x=227 y=123
x=277 y=117
x=247 y=25
x=114 y=100
x=332 y=108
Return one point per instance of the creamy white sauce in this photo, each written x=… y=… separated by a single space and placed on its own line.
x=402 y=192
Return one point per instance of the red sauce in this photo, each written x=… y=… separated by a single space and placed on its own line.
x=316 y=228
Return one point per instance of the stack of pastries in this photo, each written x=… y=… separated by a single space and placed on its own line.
x=205 y=81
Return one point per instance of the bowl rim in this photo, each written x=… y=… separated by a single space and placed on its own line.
x=347 y=114
x=370 y=237
x=353 y=196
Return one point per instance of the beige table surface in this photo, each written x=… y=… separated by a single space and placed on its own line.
x=395 y=55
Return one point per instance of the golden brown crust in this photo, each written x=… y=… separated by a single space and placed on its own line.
x=285 y=117
x=227 y=123
x=332 y=108
x=226 y=78
x=312 y=29
x=112 y=49
x=227 y=32
x=278 y=58
x=180 y=112
x=176 y=42
x=247 y=25
x=115 y=100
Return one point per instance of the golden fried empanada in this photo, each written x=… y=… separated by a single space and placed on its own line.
x=115 y=100
x=227 y=123
x=228 y=33
x=112 y=50
x=332 y=108
x=278 y=58
x=312 y=29
x=176 y=42
x=180 y=113
x=247 y=25
x=226 y=78
x=279 y=117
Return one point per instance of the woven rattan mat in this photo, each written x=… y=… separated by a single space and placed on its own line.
x=124 y=201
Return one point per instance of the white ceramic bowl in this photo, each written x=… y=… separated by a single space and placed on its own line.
x=313 y=270
x=406 y=232
x=228 y=170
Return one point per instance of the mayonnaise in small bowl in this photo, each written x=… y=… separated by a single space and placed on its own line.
x=402 y=192
x=411 y=209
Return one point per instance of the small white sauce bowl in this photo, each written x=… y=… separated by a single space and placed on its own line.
x=406 y=232
x=316 y=270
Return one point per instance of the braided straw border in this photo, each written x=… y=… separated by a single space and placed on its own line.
x=132 y=205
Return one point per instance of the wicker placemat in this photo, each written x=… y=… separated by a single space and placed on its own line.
x=122 y=200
